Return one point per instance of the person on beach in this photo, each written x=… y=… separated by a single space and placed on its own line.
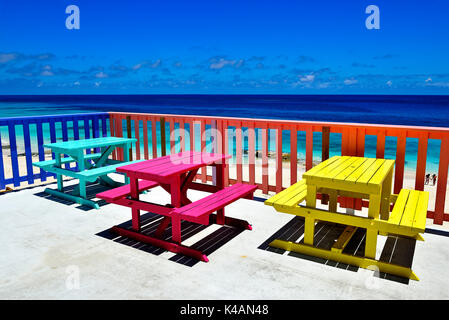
x=427 y=178
x=434 y=178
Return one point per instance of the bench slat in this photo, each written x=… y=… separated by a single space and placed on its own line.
x=286 y=194
x=198 y=211
x=89 y=175
x=399 y=207
x=298 y=198
x=410 y=209
x=125 y=191
x=95 y=172
x=421 y=211
x=46 y=163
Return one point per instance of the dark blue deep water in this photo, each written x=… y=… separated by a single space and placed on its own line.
x=382 y=109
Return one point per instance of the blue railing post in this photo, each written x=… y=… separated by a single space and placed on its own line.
x=2 y=168
x=30 y=142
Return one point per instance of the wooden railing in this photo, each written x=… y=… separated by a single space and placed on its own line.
x=27 y=135
x=256 y=145
x=146 y=128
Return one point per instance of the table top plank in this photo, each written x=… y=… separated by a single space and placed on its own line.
x=368 y=174
x=320 y=166
x=324 y=173
x=350 y=169
x=381 y=174
x=156 y=162
x=170 y=165
x=73 y=145
x=336 y=171
x=360 y=170
x=350 y=173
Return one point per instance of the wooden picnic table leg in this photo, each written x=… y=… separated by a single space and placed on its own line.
x=126 y=158
x=176 y=202
x=374 y=206
x=134 y=184
x=309 y=226
x=59 y=176
x=186 y=180
x=220 y=172
x=333 y=195
x=81 y=167
x=385 y=201
x=371 y=243
x=371 y=233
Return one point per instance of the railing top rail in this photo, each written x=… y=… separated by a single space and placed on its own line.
x=443 y=130
x=6 y=120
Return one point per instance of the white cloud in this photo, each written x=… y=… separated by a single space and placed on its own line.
x=429 y=79
x=221 y=64
x=101 y=75
x=97 y=84
x=324 y=85
x=389 y=83
x=240 y=63
x=156 y=64
x=439 y=84
x=47 y=73
x=137 y=66
x=307 y=78
x=5 y=57
x=350 y=81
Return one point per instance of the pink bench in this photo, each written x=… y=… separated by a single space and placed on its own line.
x=125 y=191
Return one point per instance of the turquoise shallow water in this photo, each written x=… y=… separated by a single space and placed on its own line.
x=404 y=110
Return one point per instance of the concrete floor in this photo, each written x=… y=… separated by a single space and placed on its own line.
x=52 y=249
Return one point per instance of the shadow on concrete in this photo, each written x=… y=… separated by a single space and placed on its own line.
x=91 y=191
x=396 y=250
x=150 y=223
x=437 y=232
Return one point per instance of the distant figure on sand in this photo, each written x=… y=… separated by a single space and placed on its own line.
x=427 y=178
x=434 y=178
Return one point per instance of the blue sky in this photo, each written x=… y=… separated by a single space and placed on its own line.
x=278 y=47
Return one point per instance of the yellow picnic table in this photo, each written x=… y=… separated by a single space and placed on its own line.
x=355 y=177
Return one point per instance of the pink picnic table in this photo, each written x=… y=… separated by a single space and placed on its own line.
x=175 y=174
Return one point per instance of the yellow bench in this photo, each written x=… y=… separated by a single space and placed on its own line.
x=289 y=197
x=407 y=219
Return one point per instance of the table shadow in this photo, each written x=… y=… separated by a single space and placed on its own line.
x=91 y=191
x=150 y=222
x=396 y=250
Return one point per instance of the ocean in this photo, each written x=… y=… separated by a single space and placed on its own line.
x=417 y=110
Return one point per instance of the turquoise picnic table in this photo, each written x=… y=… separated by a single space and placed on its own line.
x=91 y=166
